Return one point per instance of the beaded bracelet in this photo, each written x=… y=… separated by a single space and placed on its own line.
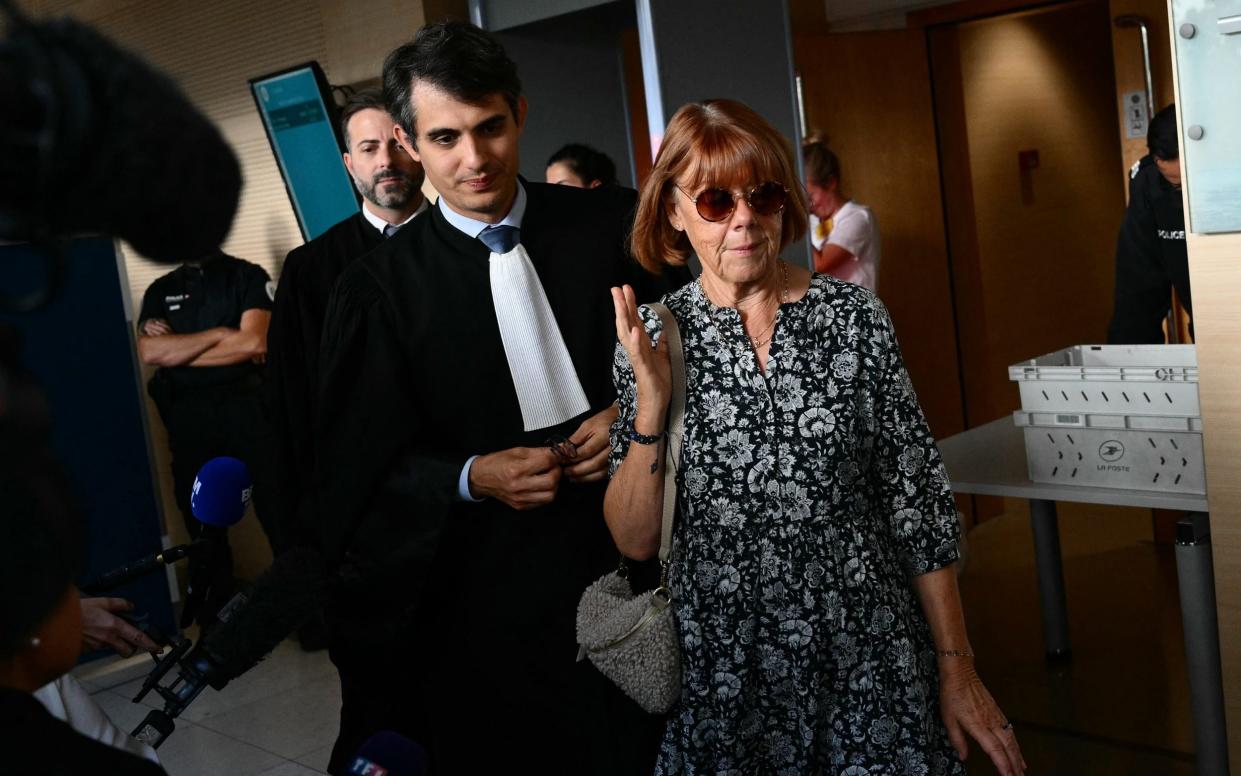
x=645 y=439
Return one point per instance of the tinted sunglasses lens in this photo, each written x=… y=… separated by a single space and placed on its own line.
x=714 y=204
x=768 y=198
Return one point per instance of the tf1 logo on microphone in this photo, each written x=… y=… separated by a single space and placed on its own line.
x=364 y=767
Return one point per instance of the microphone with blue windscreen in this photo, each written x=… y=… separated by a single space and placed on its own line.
x=221 y=492
x=219 y=499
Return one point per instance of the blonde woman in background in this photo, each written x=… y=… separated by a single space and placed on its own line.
x=846 y=240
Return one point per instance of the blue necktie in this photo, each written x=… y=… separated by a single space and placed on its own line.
x=500 y=239
x=391 y=229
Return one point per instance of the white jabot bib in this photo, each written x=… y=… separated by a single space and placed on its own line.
x=547 y=386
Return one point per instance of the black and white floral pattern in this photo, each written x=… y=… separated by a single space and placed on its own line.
x=809 y=496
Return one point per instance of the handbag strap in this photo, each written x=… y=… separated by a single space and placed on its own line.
x=676 y=431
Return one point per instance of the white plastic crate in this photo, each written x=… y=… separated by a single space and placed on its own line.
x=1134 y=452
x=1116 y=379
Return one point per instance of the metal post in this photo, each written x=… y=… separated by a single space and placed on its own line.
x=1050 y=578
x=1146 y=65
x=1196 y=575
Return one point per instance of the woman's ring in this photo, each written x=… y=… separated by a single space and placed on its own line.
x=1007 y=726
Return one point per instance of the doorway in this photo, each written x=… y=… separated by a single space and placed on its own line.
x=1026 y=117
x=988 y=150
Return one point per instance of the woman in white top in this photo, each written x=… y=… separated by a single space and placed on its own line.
x=849 y=249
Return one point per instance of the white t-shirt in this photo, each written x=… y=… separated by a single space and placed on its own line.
x=853 y=228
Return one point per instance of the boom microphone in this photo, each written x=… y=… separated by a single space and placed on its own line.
x=251 y=625
x=96 y=140
x=389 y=754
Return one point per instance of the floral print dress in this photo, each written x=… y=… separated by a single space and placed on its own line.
x=809 y=496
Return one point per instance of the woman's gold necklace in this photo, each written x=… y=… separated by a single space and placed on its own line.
x=756 y=340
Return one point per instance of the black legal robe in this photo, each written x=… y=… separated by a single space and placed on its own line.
x=307 y=278
x=469 y=607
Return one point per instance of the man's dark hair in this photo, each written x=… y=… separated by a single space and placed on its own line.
x=586 y=163
x=455 y=57
x=358 y=102
x=1161 y=138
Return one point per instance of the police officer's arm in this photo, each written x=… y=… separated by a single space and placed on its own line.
x=247 y=343
x=157 y=344
x=177 y=349
x=156 y=327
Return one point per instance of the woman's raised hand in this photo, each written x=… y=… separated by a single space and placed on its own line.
x=651 y=367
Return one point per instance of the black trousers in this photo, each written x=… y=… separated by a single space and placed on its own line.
x=205 y=423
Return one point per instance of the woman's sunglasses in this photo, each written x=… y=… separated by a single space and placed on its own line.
x=716 y=204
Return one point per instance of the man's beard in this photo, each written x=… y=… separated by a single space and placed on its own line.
x=390 y=198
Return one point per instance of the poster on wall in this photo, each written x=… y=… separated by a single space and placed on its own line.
x=300 y=118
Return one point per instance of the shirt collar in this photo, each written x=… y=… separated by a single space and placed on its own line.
x=379 y=223
x=473 y=228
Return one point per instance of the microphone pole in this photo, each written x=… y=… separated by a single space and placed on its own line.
x=131 y=571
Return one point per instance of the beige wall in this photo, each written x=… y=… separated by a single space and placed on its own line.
x=1213 y=271
x=211 y=49
x=1214 y=262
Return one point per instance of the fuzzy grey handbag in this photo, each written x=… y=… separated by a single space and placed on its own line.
x=632 y=638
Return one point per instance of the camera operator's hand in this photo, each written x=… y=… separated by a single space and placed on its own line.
x=101 y=627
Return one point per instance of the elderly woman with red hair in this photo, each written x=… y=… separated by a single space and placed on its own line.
x=820 y=621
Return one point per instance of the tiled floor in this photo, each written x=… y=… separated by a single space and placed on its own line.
x=1119 y=707
x=279 y=719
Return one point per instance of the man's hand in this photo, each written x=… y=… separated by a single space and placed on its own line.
x=593 y=445
x=154 y=327
x=102 y=628
x=522 y=477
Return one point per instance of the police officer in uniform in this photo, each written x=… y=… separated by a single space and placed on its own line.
x=204 y=325
x=1151 y=259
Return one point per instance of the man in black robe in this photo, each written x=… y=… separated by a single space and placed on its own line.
x=390 y=182
x=463 y=541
